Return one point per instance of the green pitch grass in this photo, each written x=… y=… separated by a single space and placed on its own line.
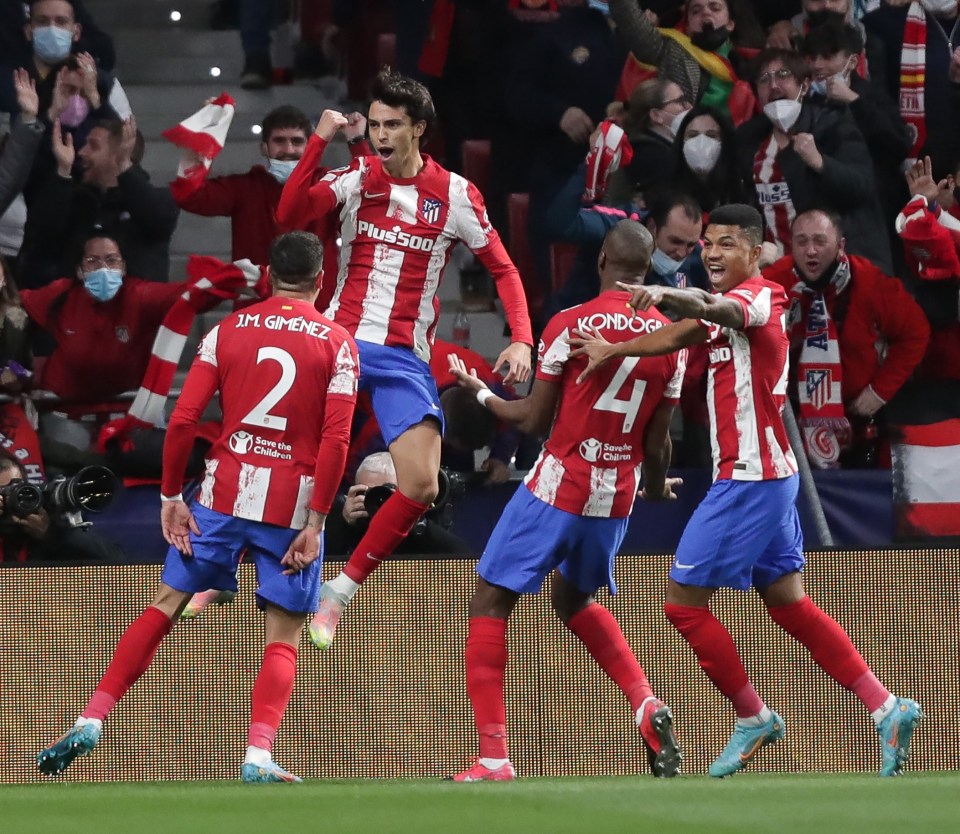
x=829 y=804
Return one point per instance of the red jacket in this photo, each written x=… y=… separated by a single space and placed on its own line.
x=250 y=201
x=102 y=347
x=880 y=313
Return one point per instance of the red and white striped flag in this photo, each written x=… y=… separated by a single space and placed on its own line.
x=926 y=479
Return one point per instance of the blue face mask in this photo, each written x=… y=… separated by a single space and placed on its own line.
x=281 y=169
x=818 y=88
x=51 y=43
x=103 y=284
x=666 y=266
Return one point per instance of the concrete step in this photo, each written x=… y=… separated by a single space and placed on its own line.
x=176 y=101
x=202 y=236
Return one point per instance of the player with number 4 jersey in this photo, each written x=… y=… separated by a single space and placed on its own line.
x=746 y=532
x=287 y=379
x=570 y=516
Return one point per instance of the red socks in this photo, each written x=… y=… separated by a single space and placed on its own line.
x=131 y=658
x=271 y=692
x=599 y=631
x=388 y=527
x=486 y=661
x=831 y=649
x=717 y=655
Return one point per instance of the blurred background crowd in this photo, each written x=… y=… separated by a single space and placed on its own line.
x=838 y=119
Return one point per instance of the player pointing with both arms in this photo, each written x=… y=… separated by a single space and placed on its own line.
x=401 y=215
x=746 y=532
x=287 y=378
x=570 y=515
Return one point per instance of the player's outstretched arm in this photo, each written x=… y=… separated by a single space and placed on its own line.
x=532 y=414
x=687 y=303
x=305 y=548
x=668 y=339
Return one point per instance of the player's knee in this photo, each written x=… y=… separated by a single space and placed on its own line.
x=422 y=488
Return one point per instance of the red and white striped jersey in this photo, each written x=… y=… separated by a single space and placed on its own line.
x=773 y=195
x=287 y=378
x=397 y=235
x=747 y=387
x=590 y=464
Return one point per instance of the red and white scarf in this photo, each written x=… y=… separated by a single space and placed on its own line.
x=825 y=428
x=202 y=136
x=210 y=282
x=913 y=77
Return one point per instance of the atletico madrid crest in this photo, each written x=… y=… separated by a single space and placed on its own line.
x=818 y=387
x=430 y=209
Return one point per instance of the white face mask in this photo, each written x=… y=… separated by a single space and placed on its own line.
x=281 y=169
x=783 y=113
x=943 y=8
x=701 y=153
x=674 y=126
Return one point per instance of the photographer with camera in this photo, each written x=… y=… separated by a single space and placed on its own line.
x=375 y=482
x=43 y=522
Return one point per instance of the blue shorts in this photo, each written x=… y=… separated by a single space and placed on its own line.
x=401 y=386
x=532 y=538
x=743 y=533
x=216 y=554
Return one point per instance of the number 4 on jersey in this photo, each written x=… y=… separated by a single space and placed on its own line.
x=610 y=401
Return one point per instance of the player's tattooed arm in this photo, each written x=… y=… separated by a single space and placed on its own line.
x=305 y=548
x=688 y=303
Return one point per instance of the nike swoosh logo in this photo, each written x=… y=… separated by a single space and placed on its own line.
x=683 y=567
x=745 y=757
x=368 y=196
x=374 y=558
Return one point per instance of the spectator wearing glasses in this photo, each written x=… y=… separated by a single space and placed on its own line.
x=800 y=154
x=104 y=321
x=654 y=111
x=114 y=193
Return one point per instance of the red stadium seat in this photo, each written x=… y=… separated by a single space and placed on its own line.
x=476 y=163
x=386 y=50
x=562 y=256
x=518 y=209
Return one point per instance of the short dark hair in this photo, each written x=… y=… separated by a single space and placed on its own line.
x=468 y=424
x=746 y=217
x=831 y=38
x=95 y=233
x=835 y=220
x=792 y=61
x=663 y=202
x=629 y=247
x=396 y=90
x=284 y=116
x=32 y=3
x=113 y=127
x=296 y=259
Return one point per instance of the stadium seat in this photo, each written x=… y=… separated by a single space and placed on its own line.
x=518 y=209
x=562 y=256
x=476 y=163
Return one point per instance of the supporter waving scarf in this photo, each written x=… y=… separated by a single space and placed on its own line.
x=825 y=428
x=913 y=77
x=211 y=282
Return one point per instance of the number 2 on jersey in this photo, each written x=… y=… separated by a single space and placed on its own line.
x=609 y=401
x=260 y=414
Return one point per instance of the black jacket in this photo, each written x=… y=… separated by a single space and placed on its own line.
x=846 y=184
x=140 y=214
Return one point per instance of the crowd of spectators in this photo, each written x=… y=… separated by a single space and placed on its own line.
x=828 y=115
